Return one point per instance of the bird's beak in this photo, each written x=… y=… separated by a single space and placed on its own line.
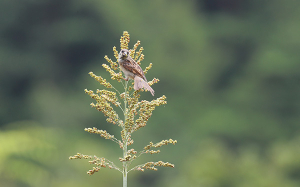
x=125 y=54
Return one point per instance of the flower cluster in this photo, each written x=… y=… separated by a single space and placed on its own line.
x=103 y=104
x=159 y=144
x=109 y=96
x=131 y=151
x=113 y=65
x=101 y=80
x=148 y=68
x=152 y=151
x=136 y=114
x=114 y=75
x=80 y=156
x=147 y=148
x=132 y=51
x=155 y=80
x=124 y=41
x=92 y=171
x=99 y=162
x=145 y=111
x=151 y=165
x=142 y=56
x=102 y=133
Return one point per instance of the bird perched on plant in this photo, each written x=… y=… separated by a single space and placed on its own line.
x=133 y=71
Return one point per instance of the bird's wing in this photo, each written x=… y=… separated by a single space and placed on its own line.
x=133 y=67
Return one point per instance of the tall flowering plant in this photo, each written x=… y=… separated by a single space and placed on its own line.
x=135 y=116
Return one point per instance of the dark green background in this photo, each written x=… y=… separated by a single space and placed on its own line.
x=230 y=70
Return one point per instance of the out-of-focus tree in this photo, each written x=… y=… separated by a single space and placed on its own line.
x=230 y=70
x=216 y=165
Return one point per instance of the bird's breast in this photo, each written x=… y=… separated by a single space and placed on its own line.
x=126 y=72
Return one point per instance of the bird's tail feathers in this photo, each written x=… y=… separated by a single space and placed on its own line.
x=140 y=83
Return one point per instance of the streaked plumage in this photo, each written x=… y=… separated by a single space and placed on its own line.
x=133 y=71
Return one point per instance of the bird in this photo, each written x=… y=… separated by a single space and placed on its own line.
x=133 y=71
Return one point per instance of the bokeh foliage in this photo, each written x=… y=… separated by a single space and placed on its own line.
x=230 y=70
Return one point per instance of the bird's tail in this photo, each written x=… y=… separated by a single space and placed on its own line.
x=140 y=83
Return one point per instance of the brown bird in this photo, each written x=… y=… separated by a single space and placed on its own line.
x=133 y=71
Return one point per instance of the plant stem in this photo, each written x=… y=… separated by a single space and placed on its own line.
x=125 y=162
x=125 y=139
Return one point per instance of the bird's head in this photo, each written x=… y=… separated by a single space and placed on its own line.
x=124 y=53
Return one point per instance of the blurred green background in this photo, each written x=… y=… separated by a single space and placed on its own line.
x=230 y=70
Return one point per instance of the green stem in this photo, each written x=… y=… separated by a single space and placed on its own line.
x=125 y=166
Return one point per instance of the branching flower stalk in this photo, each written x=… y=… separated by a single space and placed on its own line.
x=135 y=115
